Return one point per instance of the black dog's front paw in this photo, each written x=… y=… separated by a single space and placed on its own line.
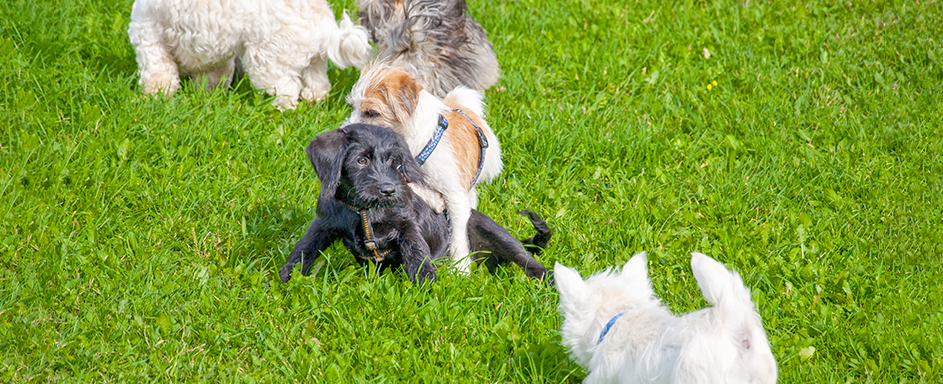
x=539 y=272
x=425 y=275
x=285 y=272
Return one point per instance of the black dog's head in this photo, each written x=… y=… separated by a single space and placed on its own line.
x=363 y=165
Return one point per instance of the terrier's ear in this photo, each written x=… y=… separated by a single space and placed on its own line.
x=570 y=284
x=718 y=283
x=636 y=269
x=327 y=153
x=403 y=94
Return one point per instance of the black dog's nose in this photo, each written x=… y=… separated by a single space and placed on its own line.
x=387 y=189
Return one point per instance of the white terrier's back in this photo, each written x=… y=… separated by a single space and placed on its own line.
x=616 y=328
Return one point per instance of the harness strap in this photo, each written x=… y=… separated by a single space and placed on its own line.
x=608 y=326
x=368 y=242
x=482 y=143
x=434 y=141
x=437 y=136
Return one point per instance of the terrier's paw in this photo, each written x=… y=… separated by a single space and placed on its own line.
x=313 y=96
x=285 y=102
x=161 y=85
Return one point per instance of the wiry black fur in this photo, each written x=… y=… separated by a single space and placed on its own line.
x=368 y=167
x=435 y=41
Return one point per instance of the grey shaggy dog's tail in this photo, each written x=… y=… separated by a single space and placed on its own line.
x=435 y=41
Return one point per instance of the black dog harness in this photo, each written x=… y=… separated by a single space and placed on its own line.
x=437 y=136
x=368 y=241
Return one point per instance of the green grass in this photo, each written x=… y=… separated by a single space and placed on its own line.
x=140 y=238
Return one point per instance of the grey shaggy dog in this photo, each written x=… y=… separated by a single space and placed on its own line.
x=435 y=41
x=366 y=202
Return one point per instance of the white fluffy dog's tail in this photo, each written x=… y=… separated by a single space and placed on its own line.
x=349 y=45
x=722 y=288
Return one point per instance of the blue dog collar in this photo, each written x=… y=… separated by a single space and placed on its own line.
x=608 y=327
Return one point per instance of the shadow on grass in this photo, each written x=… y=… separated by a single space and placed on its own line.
x=271 y=230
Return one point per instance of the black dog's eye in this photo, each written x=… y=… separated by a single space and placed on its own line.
x=399 y=168
x=362 y=160
x=370 y=114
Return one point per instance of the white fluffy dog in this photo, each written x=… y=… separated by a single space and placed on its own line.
x=466 y=152
x=283 y=44
x=618 y=330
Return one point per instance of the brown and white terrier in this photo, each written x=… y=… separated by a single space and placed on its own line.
x=466 y=152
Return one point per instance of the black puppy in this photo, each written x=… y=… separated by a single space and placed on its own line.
x=366 y=203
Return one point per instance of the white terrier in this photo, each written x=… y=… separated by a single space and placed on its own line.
x=618 y=330
x=284 y=44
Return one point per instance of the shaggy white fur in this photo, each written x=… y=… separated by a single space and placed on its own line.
x=283 y=44
x=647 y=344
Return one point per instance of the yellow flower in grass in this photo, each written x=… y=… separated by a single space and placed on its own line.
x=711 y=85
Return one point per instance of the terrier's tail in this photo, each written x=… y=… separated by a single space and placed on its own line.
x=349 y=45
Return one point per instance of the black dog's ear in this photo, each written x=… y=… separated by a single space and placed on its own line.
x=410 y=166
x=327 y=153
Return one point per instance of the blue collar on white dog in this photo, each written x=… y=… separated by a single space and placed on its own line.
x=608 y=327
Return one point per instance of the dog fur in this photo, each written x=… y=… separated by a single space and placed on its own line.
x=283 y=45
x=435 y=41
x=390 y=97
x=722 y=344
x=368 y=167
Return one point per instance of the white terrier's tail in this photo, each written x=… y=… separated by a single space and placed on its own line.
x=349 y=45
x=722 y=288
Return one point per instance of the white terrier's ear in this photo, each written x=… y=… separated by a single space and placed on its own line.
x=570 y=284
x=637 y=268
x=717 y=283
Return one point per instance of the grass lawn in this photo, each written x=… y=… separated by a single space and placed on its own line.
x=799 y=143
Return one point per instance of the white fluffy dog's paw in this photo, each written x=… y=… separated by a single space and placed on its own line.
x=285 y=102
x=313 y=96
x=161 y=85
x=158 y=92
